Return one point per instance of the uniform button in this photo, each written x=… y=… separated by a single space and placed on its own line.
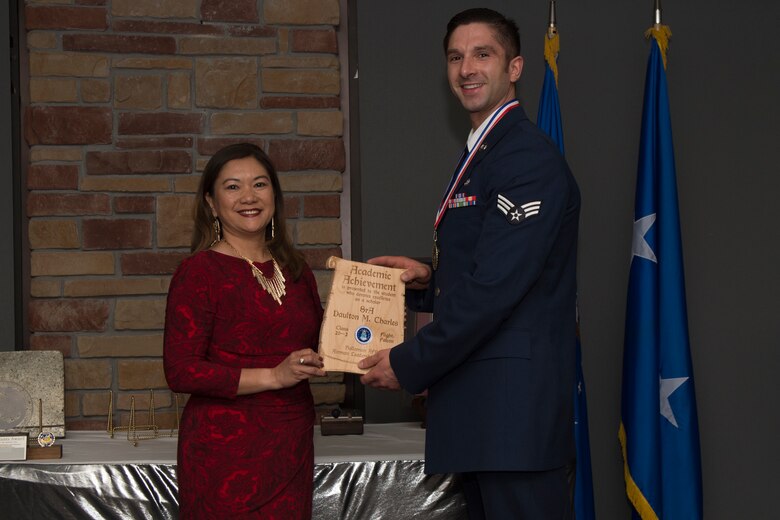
x=438 y=291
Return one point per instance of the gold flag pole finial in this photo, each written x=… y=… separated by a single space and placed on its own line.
x=552 y=43
x=659 y=31
x=552 y=28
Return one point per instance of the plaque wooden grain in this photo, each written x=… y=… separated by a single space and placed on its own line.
x=364 y=313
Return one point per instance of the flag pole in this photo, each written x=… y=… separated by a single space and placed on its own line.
x=552 y=28
x=657 y=13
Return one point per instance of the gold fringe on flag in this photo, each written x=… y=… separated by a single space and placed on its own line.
x=661 y=33
x=635 y=495
x=551 y=49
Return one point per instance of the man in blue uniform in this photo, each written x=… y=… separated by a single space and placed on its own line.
x=498 y=358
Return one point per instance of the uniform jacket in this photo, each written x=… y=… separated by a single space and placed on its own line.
x=498 y=359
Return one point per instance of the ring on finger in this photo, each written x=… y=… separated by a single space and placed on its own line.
x=301 y=361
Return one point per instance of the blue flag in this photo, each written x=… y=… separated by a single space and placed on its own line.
x=548 y=120
x=659 y=431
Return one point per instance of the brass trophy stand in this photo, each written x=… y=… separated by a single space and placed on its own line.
x=44 y=447
x=136 y=432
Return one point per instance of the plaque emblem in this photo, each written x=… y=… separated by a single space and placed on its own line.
x=363 y=335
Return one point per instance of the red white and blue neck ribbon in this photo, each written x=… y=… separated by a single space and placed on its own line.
x=464 y=164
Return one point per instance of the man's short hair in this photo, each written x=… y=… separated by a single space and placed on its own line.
x=506 y=31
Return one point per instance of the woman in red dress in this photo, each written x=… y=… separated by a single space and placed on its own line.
x=241 y=326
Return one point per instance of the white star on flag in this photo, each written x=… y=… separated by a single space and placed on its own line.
x=639 y=246
x=668 y=387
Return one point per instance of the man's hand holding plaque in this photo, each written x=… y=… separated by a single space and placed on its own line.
x=363 y=315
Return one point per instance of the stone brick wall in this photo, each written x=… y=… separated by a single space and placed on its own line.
x=126 y=100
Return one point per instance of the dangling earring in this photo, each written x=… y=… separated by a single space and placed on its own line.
x=217 y=231
x=273 y=229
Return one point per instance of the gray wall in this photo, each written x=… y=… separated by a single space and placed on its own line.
x=723 y=84
x=10 y=294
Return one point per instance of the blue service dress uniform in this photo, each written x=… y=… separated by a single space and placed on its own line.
x=498 y=359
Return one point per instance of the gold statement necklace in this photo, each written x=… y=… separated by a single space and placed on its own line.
x=273 y=286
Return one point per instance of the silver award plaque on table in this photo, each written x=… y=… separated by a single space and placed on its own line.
x=32 y=393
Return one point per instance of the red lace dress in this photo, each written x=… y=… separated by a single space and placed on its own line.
x=248 y=456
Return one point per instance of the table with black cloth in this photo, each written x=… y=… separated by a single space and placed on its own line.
x=377 y=475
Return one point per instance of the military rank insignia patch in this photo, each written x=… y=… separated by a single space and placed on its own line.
x=516 y=214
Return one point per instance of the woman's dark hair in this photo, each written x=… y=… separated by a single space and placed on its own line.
x=507 y=33
x=203 y=234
